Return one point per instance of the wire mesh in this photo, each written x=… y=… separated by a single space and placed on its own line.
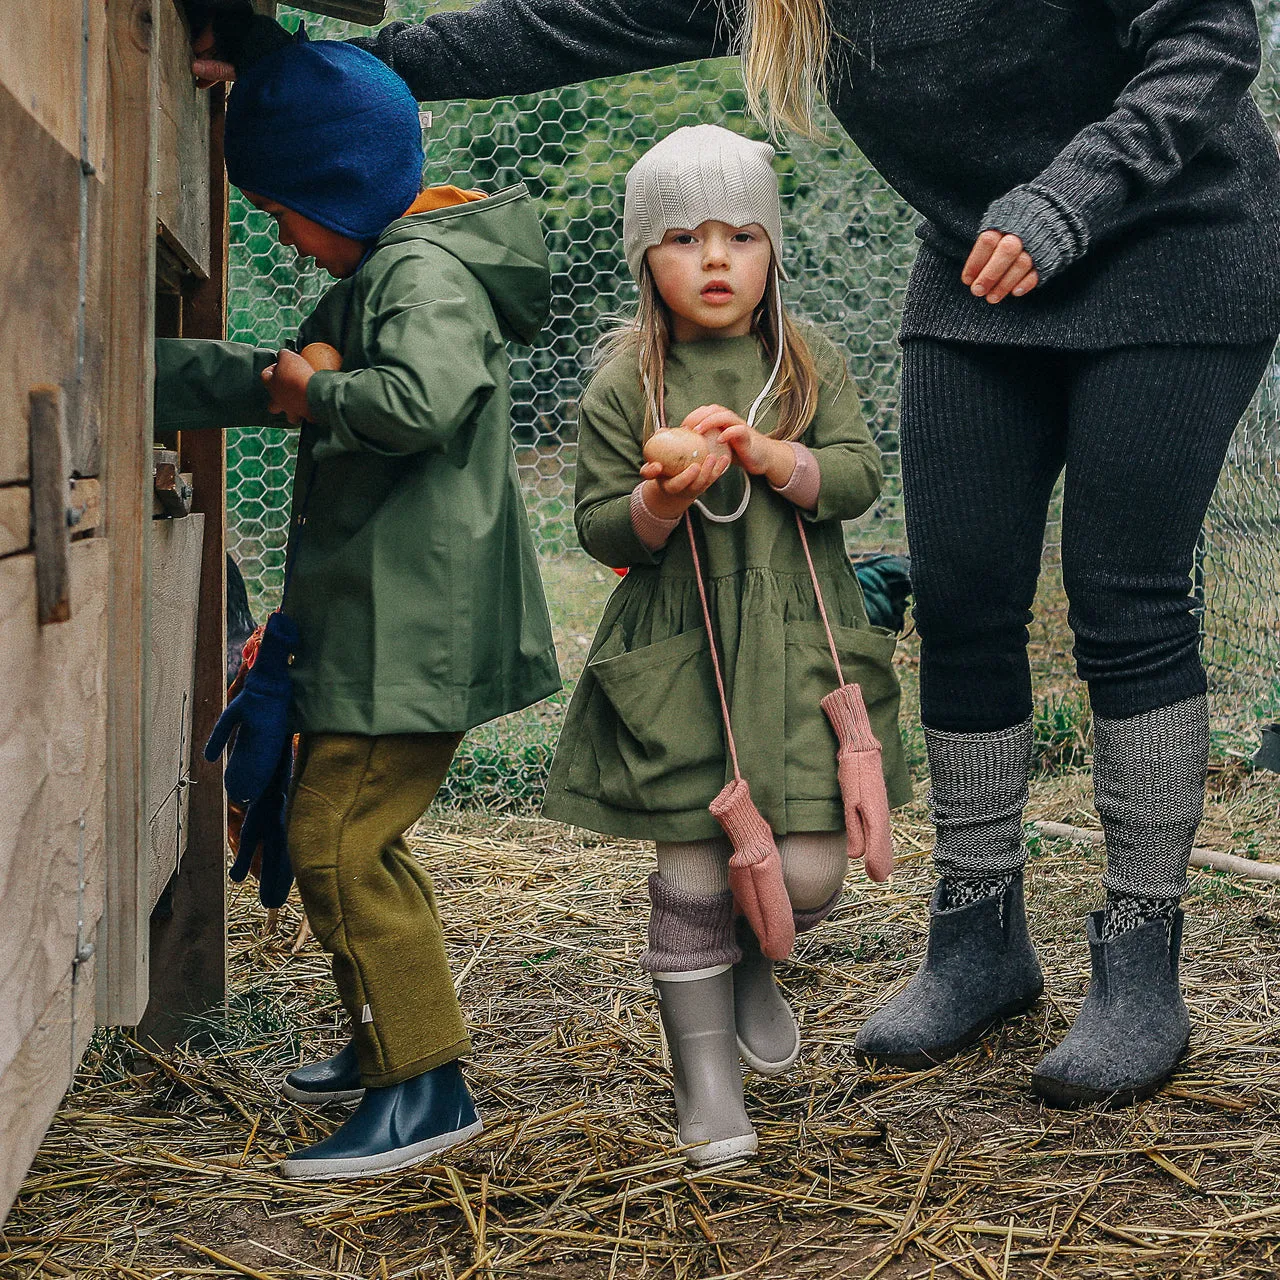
x=850 y=241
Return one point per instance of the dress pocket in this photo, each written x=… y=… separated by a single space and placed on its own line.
x=655 y=742
x=866 y=654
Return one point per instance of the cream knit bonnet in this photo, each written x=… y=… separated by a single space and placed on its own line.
x=698 y=174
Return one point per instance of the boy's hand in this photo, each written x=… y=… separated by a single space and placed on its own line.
x=997 y=266
x=755 y=453
x=206 y=66
x=286 y=383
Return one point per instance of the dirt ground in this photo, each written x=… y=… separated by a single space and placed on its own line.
x=161 y=1165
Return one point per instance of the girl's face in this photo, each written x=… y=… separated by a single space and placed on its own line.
x=337 y=254
x=711 y=278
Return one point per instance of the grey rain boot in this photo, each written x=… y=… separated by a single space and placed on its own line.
x=335 y=1079
x=697 y=1018
x=979 y=968
x=767 y=1031
x=1133 y=1025
x=1149 y=774
x=979 y=965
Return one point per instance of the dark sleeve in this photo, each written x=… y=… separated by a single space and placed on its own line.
x=502 y=47
x=201 y=383
x=1198 y=60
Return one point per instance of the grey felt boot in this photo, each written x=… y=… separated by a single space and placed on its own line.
x=1133 y=1025
x=698 y=1021
x=767 y=1031
x=979 y=968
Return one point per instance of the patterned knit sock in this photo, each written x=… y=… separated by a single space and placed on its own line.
x=1125 y=912
x=957 y=892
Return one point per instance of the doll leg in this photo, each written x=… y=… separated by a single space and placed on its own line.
x=691 y=954
x=1139 y=481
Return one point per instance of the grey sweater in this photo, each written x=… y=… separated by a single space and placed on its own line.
x=1116 y=137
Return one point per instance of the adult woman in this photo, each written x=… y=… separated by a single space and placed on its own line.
x=1096 y=168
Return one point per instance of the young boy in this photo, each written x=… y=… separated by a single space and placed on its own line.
x=412 y=577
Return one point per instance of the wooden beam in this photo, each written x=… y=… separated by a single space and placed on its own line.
x=33 y=1082
x=128 y=302
x=52 y=742
x=189 y=947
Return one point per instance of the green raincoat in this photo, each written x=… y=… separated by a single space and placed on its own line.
x=415 y=585
x=643 y=752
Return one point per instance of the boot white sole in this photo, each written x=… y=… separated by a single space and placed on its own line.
x=763 y=1067
x=706 y=1154
x=379 y=1163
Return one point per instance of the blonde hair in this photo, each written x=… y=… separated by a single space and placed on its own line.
x=646 y=338
x=784 y=62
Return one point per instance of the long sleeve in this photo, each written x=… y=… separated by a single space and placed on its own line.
x=609 y=461
x=841 y=444
x=428 y=374
x=501 y=47
x=1198 y=59
x=201 y=383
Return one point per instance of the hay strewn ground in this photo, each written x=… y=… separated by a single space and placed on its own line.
x=161 y=1166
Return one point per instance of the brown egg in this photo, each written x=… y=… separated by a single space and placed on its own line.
x=320 y=355
x=677 y=447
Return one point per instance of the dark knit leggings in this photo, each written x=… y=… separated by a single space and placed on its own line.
x=1142 y=433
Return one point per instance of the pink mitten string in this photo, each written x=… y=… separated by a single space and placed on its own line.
x=859 y=760
x=755 y=869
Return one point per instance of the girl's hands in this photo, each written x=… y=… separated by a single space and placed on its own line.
x=670 y=497
x=756 y=454
x=286 y=383
x=997 y=266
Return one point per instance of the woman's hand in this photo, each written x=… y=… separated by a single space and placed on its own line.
x=756 y=454
x=997 y=266
x=286 y=383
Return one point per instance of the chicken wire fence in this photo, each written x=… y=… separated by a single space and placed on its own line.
x=849 y=245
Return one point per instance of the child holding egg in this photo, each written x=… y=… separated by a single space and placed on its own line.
x=720 y=449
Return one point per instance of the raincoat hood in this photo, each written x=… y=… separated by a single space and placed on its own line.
x=499 y=240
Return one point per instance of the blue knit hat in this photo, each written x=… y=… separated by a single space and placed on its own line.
x=326 y=129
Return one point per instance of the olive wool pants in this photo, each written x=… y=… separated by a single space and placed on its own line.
x=986 y=431
x=371 y=905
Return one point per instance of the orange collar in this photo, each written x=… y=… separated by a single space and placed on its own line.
x=442 y=198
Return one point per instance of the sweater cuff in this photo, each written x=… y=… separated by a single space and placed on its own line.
x=806 y=479
x=1053 y=235
x=652 y=530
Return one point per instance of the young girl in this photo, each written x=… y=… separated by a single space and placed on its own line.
x=644 y=749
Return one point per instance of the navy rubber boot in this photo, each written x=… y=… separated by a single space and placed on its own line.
x=336 y=1079
x=393 y=1128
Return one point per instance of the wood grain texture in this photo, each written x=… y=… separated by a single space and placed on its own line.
x=128 y=309
x=175 y=594
x=52 y=758
x=15 y=519
x=85 y=511
x=39 y=289
x=182 y=144
x=35 y=1078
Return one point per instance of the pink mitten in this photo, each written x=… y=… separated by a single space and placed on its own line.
x=861 y=776
x=755 y=870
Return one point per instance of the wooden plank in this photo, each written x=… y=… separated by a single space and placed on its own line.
x=15 y=519
x=49 y=503
x=32 y=1085
x=175 y=595
x=189 y=946
x=182 y=144
x=128 y=302
x=39 y=292
x=52 y=759
x=41 y=65
x=85 y=510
